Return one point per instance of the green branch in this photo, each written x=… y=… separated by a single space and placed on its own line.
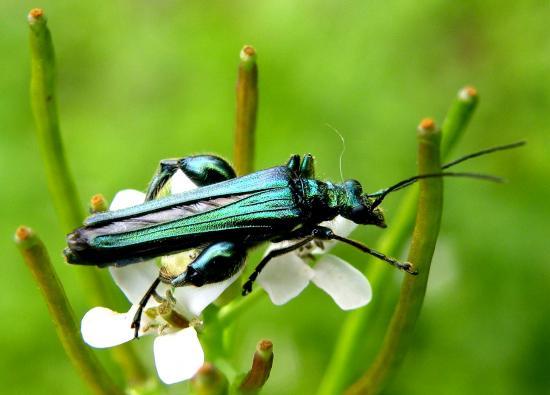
x=247 y=108
x=457 y=119
x=245 y=131
x=209 y=380
x=428 y=219
x=36 y=257
x=44 y=105
x=60 y=182
x=338 y=374
x=258 y=374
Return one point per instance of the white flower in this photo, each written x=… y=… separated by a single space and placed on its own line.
x=284 y=277
x=177 y=350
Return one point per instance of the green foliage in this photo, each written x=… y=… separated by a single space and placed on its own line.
x=140 y=81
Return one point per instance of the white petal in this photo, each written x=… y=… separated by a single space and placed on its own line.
x=134 y=280
x=103 y=328
x=181 y=183
x=340 y=226
x=285 y=277
x=127 y=198
x=345 y=284
x=279 y=245
x=178 y=355
x=193 y=300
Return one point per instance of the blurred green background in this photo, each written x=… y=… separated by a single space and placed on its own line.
x=140 y=81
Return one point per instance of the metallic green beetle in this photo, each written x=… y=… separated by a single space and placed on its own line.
x=227 y=216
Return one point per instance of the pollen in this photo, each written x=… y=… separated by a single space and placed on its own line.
x=248 y=50
x=467 y=93
x=96 y=199
x=427 y=123
x=35 y=14
x=22 y=233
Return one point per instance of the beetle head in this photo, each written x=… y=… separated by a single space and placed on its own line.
x=358 y=207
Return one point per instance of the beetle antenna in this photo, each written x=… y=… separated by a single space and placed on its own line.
x=342 y=151
x=486 y=151
x=380 y=195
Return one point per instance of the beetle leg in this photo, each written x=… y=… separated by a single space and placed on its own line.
x=247 y=287
x=206 y=169
x=307 y=167
x=215 y=263
x=325 y=233
x=200 y=169
x=137 y=317
x=294 y=163
x=167 y=169
x=159 y=299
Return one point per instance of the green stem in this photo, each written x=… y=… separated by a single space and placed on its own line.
x=36 y=258
x=43 y=100
x=247 y=106
x=457 y=118
x=209 y=380
x=428 y=219
x=243 y=158
x=245 y=128
x=258 y=374
x=60 y=182
x=352 y=333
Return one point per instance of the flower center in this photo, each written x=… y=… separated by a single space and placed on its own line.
x=164 y=316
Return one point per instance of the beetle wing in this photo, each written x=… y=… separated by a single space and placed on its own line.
x=276 y=177
x=251 y=216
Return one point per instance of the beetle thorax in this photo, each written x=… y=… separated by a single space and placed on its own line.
x=322 y=199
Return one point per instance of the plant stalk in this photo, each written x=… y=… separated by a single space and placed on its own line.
x=44 y=105
x=401 y=329
x=247 y=108
x=36 y=257
x=60 y=182
x=209 y=380
x=338 y=373
x=245 y=131
x=258 y=374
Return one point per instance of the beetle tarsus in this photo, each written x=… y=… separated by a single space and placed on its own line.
x=247 y=287
x=136 y=321
x=405 y=266
x=409 y=268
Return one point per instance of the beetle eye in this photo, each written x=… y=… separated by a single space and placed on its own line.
x=360 y=214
